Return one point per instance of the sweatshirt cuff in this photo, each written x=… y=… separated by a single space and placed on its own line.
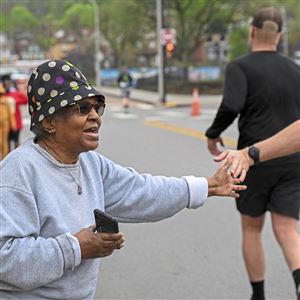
x=70 y=247
x=198 y=188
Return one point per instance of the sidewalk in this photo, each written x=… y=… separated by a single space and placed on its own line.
x=173 y=100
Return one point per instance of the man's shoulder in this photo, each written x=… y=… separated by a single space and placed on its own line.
x=239 y=61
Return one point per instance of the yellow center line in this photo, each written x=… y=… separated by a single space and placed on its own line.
x=229 y=141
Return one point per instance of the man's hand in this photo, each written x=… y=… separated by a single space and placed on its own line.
x=94 y=244
x=212 y=145
x=240 y=162
x=223 y=184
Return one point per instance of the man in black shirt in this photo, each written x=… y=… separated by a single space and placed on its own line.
x=263 y=90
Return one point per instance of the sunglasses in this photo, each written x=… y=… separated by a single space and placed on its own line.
x=85 y=107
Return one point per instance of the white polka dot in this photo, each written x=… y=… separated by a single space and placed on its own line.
x=36 y=75
x=88 y=87
x=34 y=71
x=61 y=93
x=51 y=110
x=46 y=77
x=52 y=64
x=53 y=93
x=73 y=84
x=29 y=88
x=63 y=103
x=31 y=108
x=77 y=97
x=41 y=91
x=91 y=95
x=41 y=118
x=77 y=74
x=65 y=68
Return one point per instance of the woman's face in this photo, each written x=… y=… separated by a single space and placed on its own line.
x=77 y=130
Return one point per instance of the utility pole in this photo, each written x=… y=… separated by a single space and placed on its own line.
x=97 y=58
x=161 y=54
x=285 y=37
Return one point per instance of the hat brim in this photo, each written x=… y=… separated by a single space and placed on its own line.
x=51 y=106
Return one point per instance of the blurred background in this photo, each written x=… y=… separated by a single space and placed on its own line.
x=198 y=38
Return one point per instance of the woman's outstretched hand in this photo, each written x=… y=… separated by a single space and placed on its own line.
x=223 y=184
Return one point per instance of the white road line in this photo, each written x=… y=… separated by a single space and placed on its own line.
x=124 y=116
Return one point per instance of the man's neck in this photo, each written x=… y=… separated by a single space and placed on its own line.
x=263 y=47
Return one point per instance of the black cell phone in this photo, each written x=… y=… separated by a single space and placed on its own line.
x=105 y=222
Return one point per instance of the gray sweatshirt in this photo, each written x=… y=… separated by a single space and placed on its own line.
x=40 y=211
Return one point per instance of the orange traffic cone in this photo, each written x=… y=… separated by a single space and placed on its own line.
x=196 y=110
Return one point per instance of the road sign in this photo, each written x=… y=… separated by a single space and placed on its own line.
x=167 y=35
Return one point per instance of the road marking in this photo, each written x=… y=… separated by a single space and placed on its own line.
x=229 y=141
x=144 y=106
x=124 y=116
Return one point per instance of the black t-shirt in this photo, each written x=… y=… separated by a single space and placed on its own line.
x=263 y=88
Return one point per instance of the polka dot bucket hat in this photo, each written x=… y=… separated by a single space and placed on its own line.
x=54 y=85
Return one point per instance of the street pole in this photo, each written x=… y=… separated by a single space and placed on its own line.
x=97 y=58
x=160 y=48
x=285 y=37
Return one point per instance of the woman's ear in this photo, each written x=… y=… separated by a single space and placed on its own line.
x=48 y=125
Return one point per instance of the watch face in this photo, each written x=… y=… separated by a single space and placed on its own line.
x=254 y=154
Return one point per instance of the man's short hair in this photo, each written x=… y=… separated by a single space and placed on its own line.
x=267 y=14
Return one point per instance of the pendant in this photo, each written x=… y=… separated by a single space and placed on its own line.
x=79 y=190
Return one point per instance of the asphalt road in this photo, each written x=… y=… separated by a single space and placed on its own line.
x=196 y=254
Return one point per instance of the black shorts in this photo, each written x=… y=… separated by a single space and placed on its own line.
x=14 y=135
x=272 y=186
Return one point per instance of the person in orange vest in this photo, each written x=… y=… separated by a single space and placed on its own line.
x=19 y=99
x=7 y=121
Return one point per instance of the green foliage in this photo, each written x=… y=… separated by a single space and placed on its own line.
x=128 y=25
x=195 y=20
x=21 y=18
x=124 y=26
x=238 y=42
x=4 y=27
x=78 y=16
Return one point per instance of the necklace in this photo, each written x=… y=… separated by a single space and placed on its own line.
x=79 y=188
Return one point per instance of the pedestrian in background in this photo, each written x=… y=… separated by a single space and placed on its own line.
x=19 y=99
x=51 y=184
x=125 y=84
x=7 y=121
x=263 y=89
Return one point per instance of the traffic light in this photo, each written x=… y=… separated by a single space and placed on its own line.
x=170 y=47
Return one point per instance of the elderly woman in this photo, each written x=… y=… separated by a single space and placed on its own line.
x=51 y=184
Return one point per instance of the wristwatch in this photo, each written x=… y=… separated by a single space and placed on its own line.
x=253 y=152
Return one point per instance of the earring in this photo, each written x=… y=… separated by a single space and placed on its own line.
x=51 y=131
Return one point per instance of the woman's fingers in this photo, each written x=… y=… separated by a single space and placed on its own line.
x=238 y=187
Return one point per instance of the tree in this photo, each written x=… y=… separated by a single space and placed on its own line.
x=194 y=20
x=123 y=25
x=77 y=17
x=238 y=42
x=21 y=19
